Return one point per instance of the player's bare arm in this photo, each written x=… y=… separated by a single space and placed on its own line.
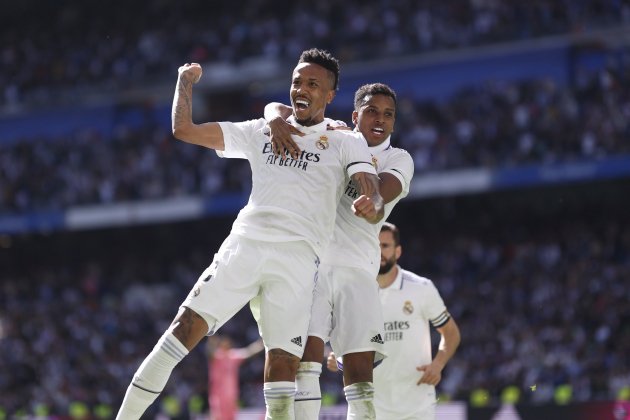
x=369 y=205
x=254 y=348
x=276 y=114
x=389 y=186
x=208 y=134
x=450 y=339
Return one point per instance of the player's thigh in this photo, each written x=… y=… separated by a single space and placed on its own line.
x=286 y=296
x=357 y=313
x=322 y=322
x=231 y=280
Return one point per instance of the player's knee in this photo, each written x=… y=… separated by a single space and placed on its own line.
x=281 y=366
x=358 y=367
x=314 y=350
x=189 y=328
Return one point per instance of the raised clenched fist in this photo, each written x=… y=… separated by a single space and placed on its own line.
x=191 y=72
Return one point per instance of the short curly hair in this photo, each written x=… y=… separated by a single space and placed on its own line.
x=371 y=90
x=324 y=59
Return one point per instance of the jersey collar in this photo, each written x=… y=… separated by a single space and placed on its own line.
x=397 y=284
x=380 y=147
x=317 y=128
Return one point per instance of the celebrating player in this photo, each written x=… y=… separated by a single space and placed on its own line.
x=273 y=248
x=346 y=309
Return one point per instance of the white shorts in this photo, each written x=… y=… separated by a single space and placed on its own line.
x=403 y=402
x=425 y=413
x=347 y=311
x=282 y=274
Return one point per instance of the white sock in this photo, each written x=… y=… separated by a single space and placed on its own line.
x=151 y=377
x=360 y=397
x=279 y=400
x=308 y=395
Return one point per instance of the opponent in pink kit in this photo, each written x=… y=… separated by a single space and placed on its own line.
x=224 y=362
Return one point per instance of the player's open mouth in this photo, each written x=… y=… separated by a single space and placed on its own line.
x=378 y=131
x=301 y=104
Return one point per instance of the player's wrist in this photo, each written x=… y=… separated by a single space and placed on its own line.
x=438 y=364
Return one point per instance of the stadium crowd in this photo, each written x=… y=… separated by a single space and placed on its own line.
x=71 y=332
x=490 y=125
x=538 y=303
x=64 y=45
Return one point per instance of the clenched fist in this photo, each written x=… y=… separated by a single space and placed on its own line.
x=191 y=72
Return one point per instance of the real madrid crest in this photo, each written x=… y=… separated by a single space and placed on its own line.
x=408 y=307
x=374 y=162
x=322 y=143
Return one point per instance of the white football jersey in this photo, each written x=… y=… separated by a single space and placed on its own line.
x=355 y=241
x=294 y=199
x=409 y=304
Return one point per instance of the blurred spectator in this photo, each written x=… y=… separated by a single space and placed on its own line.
x=490 y=125
x=59 y=47
x=545 y=305
x=553 y=294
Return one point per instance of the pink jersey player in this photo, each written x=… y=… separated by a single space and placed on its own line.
x=223 y=368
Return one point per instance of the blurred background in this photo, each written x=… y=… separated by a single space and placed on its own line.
x=517 y=115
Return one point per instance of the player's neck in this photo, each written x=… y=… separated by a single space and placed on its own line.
x=311 y=121
x=385 y=280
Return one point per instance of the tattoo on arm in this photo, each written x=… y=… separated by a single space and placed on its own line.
x=182 y=103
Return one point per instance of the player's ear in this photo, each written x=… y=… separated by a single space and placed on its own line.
x=398 y=252
x=355 y=117
x=330 y=96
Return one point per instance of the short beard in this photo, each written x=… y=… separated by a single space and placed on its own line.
x=305 y=123
x=386 y=268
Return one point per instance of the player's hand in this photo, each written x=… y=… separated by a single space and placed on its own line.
x=431 y=374
x=280 y=136
x=191 y=72
x=338 y=125
x=331 y=362
x=365 y=207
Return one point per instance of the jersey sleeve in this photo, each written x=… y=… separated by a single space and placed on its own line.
x=401 y=166
x=356 y=156
x=433 y=306
x=237 y=138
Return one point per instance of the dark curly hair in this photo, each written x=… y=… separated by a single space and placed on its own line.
x=371 y=90
x=324 y=59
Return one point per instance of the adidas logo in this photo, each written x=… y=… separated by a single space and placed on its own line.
x=377 y=339
x=297 y=341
